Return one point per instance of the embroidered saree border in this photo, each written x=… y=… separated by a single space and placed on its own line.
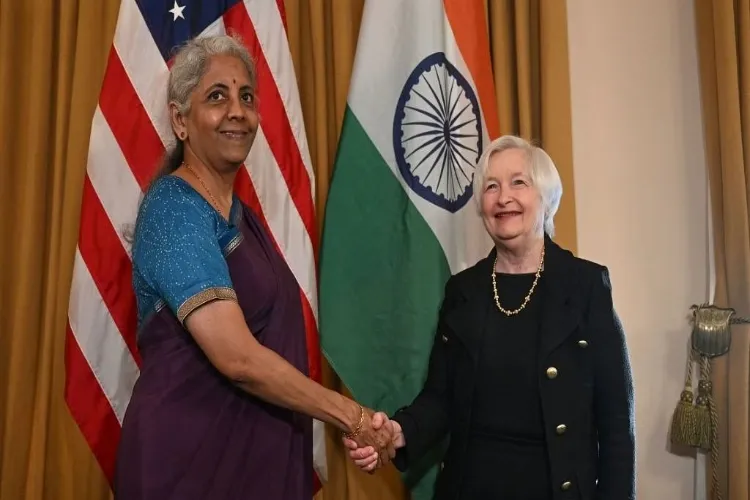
x=204 y=297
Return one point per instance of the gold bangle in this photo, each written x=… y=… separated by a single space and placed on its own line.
x=358 y=429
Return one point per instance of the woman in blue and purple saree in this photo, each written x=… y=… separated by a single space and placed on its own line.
x=223 y=406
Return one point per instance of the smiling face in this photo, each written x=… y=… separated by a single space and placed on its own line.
x=221 y=124
x=511 y=205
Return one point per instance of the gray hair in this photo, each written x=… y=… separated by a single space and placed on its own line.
x=191 y=63
x=541 y=170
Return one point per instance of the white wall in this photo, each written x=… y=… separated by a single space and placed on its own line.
x=640 y=187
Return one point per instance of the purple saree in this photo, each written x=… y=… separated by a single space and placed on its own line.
x=188 y=432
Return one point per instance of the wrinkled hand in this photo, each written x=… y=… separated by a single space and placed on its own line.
x=376 y=436
x=368 y=457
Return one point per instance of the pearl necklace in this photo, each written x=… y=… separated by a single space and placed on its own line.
x=528 y=295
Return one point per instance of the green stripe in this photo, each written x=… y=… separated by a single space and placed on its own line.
x=382 y=278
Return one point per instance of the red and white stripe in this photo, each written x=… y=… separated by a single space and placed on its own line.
x=130 y=131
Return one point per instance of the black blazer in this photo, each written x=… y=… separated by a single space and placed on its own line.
x=585 y=381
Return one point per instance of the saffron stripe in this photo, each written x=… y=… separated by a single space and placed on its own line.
x=464 y=18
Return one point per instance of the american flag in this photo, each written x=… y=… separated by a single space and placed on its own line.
x=129 y=135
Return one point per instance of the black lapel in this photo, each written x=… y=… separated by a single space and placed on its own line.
x=560 y=311
x=467 y=319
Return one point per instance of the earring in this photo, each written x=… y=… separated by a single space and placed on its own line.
x=182 y=136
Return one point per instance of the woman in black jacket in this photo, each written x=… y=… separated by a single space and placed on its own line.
x=529 y=373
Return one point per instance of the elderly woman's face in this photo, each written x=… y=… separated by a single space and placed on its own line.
x=222 y=122
x=511 y=205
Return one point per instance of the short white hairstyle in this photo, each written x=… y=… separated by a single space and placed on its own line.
x=541 y=169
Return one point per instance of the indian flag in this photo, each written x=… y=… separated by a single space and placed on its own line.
x=400 y=218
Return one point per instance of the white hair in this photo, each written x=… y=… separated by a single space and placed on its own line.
x=191 y=62
x=541 y=170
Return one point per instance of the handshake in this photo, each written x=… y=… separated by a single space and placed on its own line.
x=375 y=445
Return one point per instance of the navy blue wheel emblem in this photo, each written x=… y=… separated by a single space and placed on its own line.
x=437 y=133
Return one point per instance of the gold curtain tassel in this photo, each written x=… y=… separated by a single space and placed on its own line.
x=685 y=420
x=684 y=429
x=703 y=415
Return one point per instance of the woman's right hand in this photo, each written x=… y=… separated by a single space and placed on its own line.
x=366 y=457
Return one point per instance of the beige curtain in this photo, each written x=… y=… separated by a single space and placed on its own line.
x=724 y=50
x=52 y=60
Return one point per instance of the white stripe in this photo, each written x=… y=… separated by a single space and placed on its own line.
x=453 y=54
x=112 y=178
x=320 y=463
x=282 y=216
x=269 y=28
x=144 y=65
x=100 y=341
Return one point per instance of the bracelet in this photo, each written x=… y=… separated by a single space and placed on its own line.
x=358 y=429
